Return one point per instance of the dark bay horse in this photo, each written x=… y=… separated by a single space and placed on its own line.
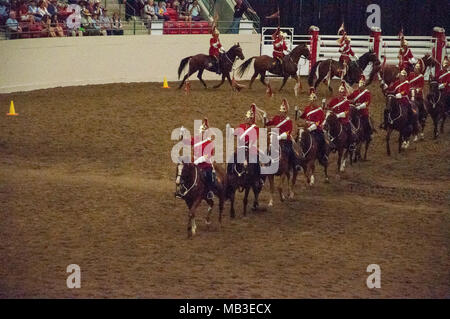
x=243 y=177
x=191 y=187
x=310 y=152
x=396 y=118
x=435 y=105
x=327 y=69
x=389 y=72
x=362 y=132
x=201 y=62
x=265 y=63
x=338 y=136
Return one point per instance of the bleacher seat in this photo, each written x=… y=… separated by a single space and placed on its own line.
x=183 y=27
x=170 y=27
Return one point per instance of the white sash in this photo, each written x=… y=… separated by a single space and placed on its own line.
x=246 y=131
x=359 y=95
x=400 y=85
x=313 y=111
x=201 y=142
x=444 y=74
x=416 y=78
x=344 y=100
x=284 y=121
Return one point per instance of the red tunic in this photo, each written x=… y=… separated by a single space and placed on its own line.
x=406 y=57
x=313 y=114
x=346 y=51
x=283 y=124
x=338 y=105
x=279 y=45
x=202 y=148
x=361 y=96
x=249 y=133
x=214 y=46
x=444 y=78
x=416 y=82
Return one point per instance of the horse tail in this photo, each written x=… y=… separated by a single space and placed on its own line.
x=312 y=73
x=183 y=64
x=244 y=67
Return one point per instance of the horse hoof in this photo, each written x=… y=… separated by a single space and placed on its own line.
x=311 y=182
x=270 y=203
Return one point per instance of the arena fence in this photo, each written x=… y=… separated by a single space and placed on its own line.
x=328 y=48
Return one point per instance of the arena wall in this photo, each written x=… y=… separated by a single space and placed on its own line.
x=32 y=64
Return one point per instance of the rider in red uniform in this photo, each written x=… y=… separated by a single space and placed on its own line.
x=361 y=99
x=215 y=48
x=284 y=124
x=279 y=46
x=444 y=82
x=203 y=151
x=345 y=49
x=314 y=116
x=416 y=83
x=341 y=107
x=405 y=56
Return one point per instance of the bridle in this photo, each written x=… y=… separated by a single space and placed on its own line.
x=391 y=121
x=330 y=137
x=310 y=143
x=186 y=190
x=435 y=102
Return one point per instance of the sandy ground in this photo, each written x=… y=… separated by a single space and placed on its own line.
x=86 y=178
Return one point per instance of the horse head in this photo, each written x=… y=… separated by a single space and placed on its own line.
x=236 y=51
x=186 y=175
x=300 y=50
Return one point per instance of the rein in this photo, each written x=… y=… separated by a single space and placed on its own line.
x=310 y=146
x=187 y=190
x=331 y=136
x=435 y=102
x=399 y=115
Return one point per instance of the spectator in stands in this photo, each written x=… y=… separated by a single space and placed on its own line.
x=183 y=10
x=42 y=10
x=96 y=8
x=86 y=23
x=149 y=13
x=47 y=29
x=176 y=6
x=13 y=30
x=116 y=24
x=24 y=15
x=105 y=22
x=140 y=4
x=130 y=9
x=4 y=11
x=97 y=25
x=239 y=10
x=57 y=26
x=161 y=11
x=194 y=12
x=52 y=8
x=34 y=10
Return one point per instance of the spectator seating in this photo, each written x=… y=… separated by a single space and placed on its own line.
x=183 y=27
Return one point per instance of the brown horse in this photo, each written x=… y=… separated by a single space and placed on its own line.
x=435 y=105
x=200 y=62
x=310 y=152
x=191 y=187
x=338 y=136
x=362 y=131
x=396 y=118
x=266 y=63
x=388 y=73
x=243 y=177
x=285 y=166
x=327 y=69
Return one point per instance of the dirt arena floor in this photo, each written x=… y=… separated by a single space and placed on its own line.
x=86 y=178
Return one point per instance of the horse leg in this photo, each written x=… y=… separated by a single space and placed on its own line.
x=444 y=116
x=262 y=78
x=272 y=189
x=344 y=159
x=247 y=190
x=210 y=208
x=435 y=124
x=284 y=82
x=298 y=84
x=400 y=141
x=199 y=76
x=186 y=76
x=252 y=79
x=388 y=137
x=256 y=193
x=294 y=180
x=232 y=211
x=191 y=229
x=325 y=170
x=280 y=187
x=221 y=204
x=311 y=172
x=365 y=151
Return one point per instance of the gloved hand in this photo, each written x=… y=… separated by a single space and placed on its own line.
x=282 y=136
x=340 y=115
x=361 y=106
x=398 y=96
x=441 y=86
x=312 y=127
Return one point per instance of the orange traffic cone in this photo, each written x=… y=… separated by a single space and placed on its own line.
x=12 y=111
x=165 y=84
